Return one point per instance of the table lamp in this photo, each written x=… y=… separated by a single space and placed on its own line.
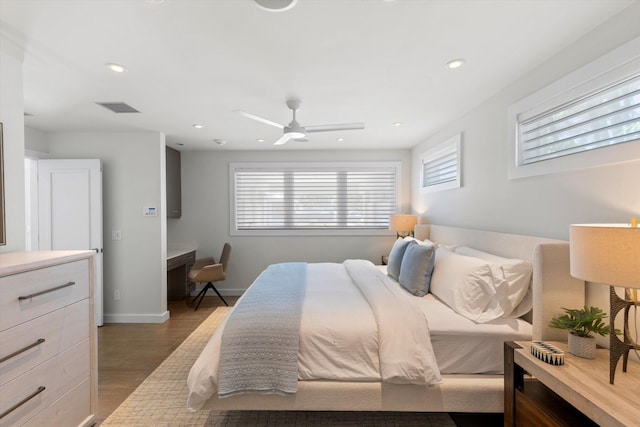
x=403 y=224
x=610 y=254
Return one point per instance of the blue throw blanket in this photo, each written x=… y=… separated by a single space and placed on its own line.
x=259 y=350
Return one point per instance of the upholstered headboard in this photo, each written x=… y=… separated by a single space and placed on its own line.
x=552 y=285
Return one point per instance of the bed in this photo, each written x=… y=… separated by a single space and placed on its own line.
x=469 y=354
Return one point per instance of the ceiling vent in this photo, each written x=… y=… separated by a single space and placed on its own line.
x=118 y=107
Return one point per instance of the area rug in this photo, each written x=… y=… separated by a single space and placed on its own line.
x=160 y=401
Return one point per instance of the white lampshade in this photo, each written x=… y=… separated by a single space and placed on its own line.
x=402 y=223
x=606 y=253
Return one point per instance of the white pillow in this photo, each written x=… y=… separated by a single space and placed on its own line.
x=426 y=242
x=467 y=285
x=517 y=274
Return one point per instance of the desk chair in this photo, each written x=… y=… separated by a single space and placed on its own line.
x=206 y=270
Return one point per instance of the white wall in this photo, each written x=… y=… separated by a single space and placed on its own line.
x=543 y=205
x=12 y=118
x=36 y=141
x=133 y=176
x=205 y=216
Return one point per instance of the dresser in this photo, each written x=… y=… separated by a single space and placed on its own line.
x=48 y=339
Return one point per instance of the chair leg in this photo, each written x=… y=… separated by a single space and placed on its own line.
x=200 y=296
x=214 y=288
x=203 y=292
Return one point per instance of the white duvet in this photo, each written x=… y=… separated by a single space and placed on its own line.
x=344 y=335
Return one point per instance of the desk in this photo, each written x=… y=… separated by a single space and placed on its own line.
x=179 y=262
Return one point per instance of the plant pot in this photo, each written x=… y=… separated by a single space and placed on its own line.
x=584 y=347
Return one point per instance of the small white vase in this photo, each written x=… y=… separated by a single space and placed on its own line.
x=584 y=347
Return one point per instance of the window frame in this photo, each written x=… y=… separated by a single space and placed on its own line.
x=454 y=144
x=584 y=81
x=279 y=166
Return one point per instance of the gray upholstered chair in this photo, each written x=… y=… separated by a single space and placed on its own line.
x=206 y=270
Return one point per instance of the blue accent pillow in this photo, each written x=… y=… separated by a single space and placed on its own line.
x=416 y=268
x=395 y=256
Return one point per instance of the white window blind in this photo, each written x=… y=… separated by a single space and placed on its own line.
x=588 y=118
x=315 y=196
x=441 y=166
x=605 y=117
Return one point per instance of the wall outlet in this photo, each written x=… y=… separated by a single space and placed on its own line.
x=116 y=235
x=116 y=294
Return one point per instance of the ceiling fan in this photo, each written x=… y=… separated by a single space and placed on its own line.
x=294 y=130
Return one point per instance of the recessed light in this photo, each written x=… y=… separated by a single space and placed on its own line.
x=260 y=140
x=116 y=68
x=339 y=139
x=397 y=124
x=154 y=1
x=455 y=63
x=220 y=141
x=197 y=126
x=275 y=5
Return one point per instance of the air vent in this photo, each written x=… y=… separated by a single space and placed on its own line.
x=118 y=107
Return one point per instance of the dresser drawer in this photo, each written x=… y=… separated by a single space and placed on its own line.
x=70 y=410
x=24 y=296
x=60 y=330
x=58 y=376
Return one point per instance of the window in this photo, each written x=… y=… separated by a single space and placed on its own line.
x=441 y=166
x=313 y=198
x=588 y=118
x=605 y=117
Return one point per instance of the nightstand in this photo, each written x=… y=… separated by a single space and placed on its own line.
x=576 y=393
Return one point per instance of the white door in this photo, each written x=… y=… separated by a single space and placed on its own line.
x=70 y=211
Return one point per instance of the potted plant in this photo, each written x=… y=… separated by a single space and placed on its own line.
x=581 y=323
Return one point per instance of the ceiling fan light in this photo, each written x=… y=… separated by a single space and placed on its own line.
x=294 y=134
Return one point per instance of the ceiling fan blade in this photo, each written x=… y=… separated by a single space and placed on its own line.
x=259 y=119
x=327 y=128
x=283 y=139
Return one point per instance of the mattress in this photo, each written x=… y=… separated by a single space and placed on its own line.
x=465 y=347
x=462 y=346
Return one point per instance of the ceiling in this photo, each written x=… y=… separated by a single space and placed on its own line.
x=196 y=61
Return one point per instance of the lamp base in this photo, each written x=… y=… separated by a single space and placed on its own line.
x=403 y=234
x=618 y=348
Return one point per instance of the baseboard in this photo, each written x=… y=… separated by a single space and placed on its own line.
x=136 y=318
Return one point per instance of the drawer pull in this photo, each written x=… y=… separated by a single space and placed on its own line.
x=22 y=350
x=23 y=401
x=66 y=285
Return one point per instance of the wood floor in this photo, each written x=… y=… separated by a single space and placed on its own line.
x=128 y=353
